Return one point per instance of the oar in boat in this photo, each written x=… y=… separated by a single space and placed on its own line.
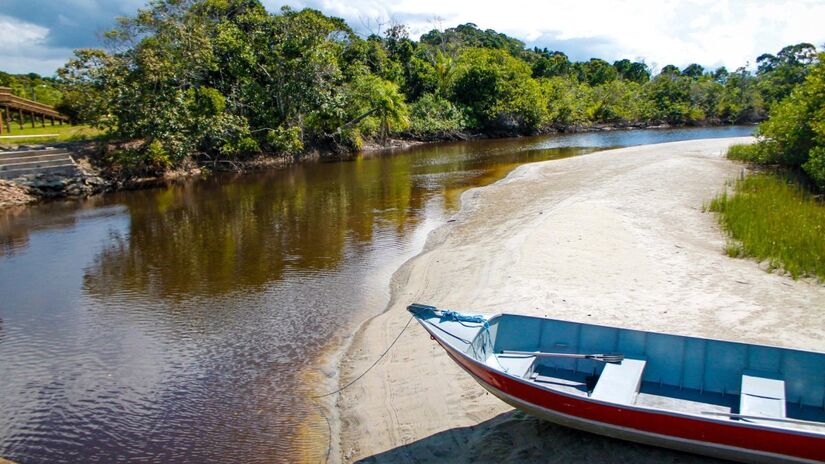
x=608 y=358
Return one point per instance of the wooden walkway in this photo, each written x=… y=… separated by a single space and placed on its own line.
x=11 y=105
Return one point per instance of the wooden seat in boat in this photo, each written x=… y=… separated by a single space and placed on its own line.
x=620 y=382
x=763 y=394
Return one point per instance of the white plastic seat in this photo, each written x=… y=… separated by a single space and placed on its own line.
x=763 y=394
x=620 y=382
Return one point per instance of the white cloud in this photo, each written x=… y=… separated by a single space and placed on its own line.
x=709 y=32
x=25 y=49
x=20 y=64
x=16 y=33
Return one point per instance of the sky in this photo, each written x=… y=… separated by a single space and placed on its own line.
x=39 y=35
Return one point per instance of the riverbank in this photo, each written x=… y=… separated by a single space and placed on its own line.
x=12 y=194
x=97 y=174
x=616 y=237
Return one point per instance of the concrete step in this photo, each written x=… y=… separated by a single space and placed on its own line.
x=36 y=164
x=30 y=158
x=23 y=153
x=57 y=169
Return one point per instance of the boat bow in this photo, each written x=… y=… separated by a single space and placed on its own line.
x=455 y=329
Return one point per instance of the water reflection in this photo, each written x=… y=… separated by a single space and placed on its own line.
x=227 y=233
x=174 y=324
x=224 y=234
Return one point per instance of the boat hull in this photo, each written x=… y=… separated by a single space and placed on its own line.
x=737 y=441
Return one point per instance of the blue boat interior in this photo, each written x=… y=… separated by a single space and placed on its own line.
x=725 y=380
x=663 y=371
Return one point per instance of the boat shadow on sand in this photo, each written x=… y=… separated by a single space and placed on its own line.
x=518 y=437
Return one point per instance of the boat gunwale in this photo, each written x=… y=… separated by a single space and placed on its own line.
x=638 y=408
x=722 y=340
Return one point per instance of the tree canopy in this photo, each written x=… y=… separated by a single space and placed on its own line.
x=227 y=78
x=794 y=135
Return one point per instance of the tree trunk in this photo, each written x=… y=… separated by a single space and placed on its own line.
x=357 y=119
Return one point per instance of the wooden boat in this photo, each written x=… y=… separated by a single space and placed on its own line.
x=736 y=401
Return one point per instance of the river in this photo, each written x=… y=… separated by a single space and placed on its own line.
x=178 y=324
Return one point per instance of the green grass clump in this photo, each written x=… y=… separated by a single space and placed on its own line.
x=741 y=152
x=760 y=153
x=64 y=133
x=773 y=219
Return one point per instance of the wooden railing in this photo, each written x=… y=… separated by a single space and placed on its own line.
x=10 y=104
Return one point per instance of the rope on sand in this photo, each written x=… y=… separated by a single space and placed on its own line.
x=321 y=409
x=369 y=368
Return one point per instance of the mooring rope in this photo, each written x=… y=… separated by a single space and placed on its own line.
x=321 y=409
x=373 y=364
x=329 y=428
x=454 y=316
x=462 y=340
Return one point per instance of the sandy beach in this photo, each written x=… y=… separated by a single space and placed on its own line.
x=616 y=237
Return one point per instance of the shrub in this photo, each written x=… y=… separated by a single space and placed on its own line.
x=568 y=102
x=350 y=139
x=759 y=153
x=248 y=145
x=434 y=114
x=498 y=90
x=794 y=136
x=815 y=166
x=205 y=102
x=157 y=156
x=286 y=141
x=617 y=101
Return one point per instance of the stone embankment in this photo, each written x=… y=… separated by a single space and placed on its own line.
x=12 y=194
x=30 y=175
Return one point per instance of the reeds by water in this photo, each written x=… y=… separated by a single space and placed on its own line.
x=773 y=219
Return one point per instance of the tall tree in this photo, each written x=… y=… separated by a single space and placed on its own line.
x=636 y=71
x=551 y=64
x=782 y=72
x=694 y=71
x=498 y=90
x=596 y=72
x=381 y=99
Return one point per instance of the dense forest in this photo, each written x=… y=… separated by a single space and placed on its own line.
x=226 y=78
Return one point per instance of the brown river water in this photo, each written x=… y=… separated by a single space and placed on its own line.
x=178 y=324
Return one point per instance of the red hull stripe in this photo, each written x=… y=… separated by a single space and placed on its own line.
x=792 y=443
